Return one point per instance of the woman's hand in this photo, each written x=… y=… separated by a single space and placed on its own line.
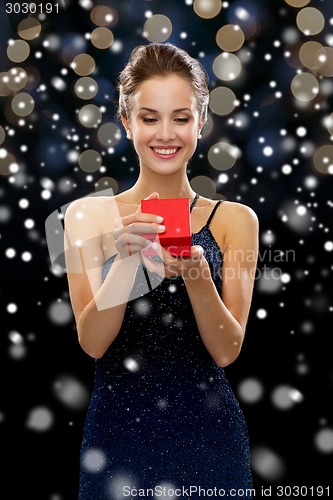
x=193 y=267
x=129 y=229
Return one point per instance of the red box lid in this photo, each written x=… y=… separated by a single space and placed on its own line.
x=176 y=214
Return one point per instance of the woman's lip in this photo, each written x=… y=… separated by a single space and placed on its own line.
x=164 y=148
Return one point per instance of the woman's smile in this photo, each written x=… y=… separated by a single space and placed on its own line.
x=165 y=152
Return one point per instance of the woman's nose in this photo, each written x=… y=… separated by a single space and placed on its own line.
x=165 y=131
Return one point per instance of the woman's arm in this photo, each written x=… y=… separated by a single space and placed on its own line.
x=222 y=321
x=99 y=307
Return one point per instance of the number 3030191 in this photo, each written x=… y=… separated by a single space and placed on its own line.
x=32 y=8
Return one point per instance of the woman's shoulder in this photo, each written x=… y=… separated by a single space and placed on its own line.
x=87 y=206
x=238 y=218
x=240 y=211
x=90 y=212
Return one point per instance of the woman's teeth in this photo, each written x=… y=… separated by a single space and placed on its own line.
x=165 y=151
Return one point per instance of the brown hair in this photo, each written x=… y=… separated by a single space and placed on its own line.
x=161 y=59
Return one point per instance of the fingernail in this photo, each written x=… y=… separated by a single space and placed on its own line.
x=154 y=246
x=160 y=228
x=159 y=218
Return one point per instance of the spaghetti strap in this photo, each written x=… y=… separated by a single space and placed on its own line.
x=213 y=212
x=194 y=201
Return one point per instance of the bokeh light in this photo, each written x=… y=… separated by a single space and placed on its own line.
x=223 y=155
x=309 y=55
x=204 y=186
x=328 y=123
x=324 y=440
x=270 y=281
x=230 y=38
x=305 y=87
x=29 y=28
x=325 y=58
x=250 y=390
x=7 y=162
x=90 y=116
x=71 y=392
x=23 y=104
x=222 y=101
x=323 y=159
x=60 y=312
x=297 y=3
x=267 y=463
x=109 y=134
x=86 y=88
x=227 y=66
x=2 y=134
x=90 y=160
x=107 y=183
x=284 y=397
x=83 y=64
x=18 y=50
x=103 y=15
x=157 y=28
x=310 y=21
x=102 y=38
x=207 y=9
x=94 y=460
x=40 y=419
x=245 y=16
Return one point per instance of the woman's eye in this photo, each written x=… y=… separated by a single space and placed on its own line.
x=149 y=120
x=182 y=120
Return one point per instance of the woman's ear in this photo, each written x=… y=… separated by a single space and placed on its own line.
x=201 y=126
x=126 y=126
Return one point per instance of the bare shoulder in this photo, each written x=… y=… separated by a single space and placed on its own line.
x=85 y=215
x=239 y=223
x=239 y=213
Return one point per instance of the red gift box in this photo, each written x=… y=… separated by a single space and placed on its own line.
x=176 y=218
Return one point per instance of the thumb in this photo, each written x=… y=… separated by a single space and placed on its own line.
x=152 y=196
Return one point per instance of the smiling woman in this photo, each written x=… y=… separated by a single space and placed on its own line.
x=162 y=411
x=168 y=128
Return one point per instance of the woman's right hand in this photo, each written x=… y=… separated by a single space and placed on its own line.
x=128 y=230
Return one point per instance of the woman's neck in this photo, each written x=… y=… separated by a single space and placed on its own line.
x=167 y=186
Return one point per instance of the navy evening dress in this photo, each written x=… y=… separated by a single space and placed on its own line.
x=163 y=421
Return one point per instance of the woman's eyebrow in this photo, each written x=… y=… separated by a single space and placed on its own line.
x=150 y=110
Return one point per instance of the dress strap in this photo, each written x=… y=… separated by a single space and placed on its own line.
x=194 y=201
x=213 y=212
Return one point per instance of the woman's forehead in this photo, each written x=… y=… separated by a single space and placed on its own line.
x=171 y=89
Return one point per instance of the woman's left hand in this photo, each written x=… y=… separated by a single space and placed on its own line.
x=191 y=267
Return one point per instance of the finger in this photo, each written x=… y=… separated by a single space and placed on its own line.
x=141 y=227
x=152 y=196
x=133 y=241
x=154 y=250
x=140 y=217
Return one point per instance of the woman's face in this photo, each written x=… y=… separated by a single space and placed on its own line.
x=164 y=123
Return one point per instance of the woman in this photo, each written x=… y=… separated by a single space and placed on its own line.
x=162 y=417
